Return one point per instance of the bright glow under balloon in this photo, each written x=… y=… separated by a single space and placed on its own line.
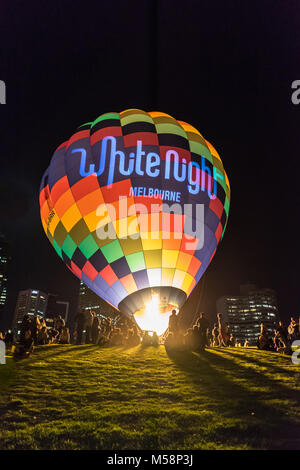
x=154 y=317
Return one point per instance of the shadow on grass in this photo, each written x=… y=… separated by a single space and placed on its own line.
x=58 y=349
x=266 y=425
x=260 y=361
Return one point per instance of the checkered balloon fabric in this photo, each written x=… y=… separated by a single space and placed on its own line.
x=135 y=200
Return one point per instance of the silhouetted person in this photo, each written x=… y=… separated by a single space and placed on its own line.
x=59 y=323
x=203 y=326
x=116 y=337
x=89 y=317
x=263 y=340
x=25 y=325
x=133 y=338
x=195 y=338
x=25 y=347
x=35 y=326
x=43 y=336
x=95 y=329
x=80 y=321
x=222 y=330
x=215 y=335
x=9 y=339
x=282 y=332
x=155 y=340
x=231 y=341
x=292 y=329
x=146 y=341
x=64 y=337
x=173 y=322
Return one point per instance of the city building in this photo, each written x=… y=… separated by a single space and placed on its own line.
x=88 y=300
x=245 y=312
x=5 y=259
x=31 y=302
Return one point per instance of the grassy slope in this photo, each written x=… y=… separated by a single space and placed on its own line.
x=83 y=397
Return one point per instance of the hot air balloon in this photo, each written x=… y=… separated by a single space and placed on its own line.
x=135 y=203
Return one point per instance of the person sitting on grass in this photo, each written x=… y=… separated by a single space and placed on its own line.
x=170 y=342
x=105 y=332
x=59 y=323
x=155 y=340
x=147 y=339
x=64 y=337
x=231 y=341
x=279 y=345
x=188 y=339
x=25 y=347
x=133 y=338
x=8 y=339
x=53 y=336
x=43 y=336
x=263 y=341
x=282 y=331
x=227 y=333
x=116 y=337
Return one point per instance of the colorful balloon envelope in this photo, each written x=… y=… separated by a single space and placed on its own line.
x=135 y=204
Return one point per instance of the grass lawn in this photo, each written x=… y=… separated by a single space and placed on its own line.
x=84 y=397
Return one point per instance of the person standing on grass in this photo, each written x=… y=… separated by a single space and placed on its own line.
x=79 y=320
x=173 y=322
x=95 y=329
x=203 y=326
x=215 y=336
x=89 y=318
x=292 y=329
x=222 y=330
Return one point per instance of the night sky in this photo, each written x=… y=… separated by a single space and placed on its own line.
x=226 y=67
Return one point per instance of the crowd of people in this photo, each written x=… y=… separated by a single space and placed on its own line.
x=281 y=340
x=34 y=332
x=104 y=331
x=200 y=335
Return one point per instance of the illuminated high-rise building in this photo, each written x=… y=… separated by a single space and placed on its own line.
x=4 y=267
x=31 y=302
x=88 y=300
x=245 y=312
